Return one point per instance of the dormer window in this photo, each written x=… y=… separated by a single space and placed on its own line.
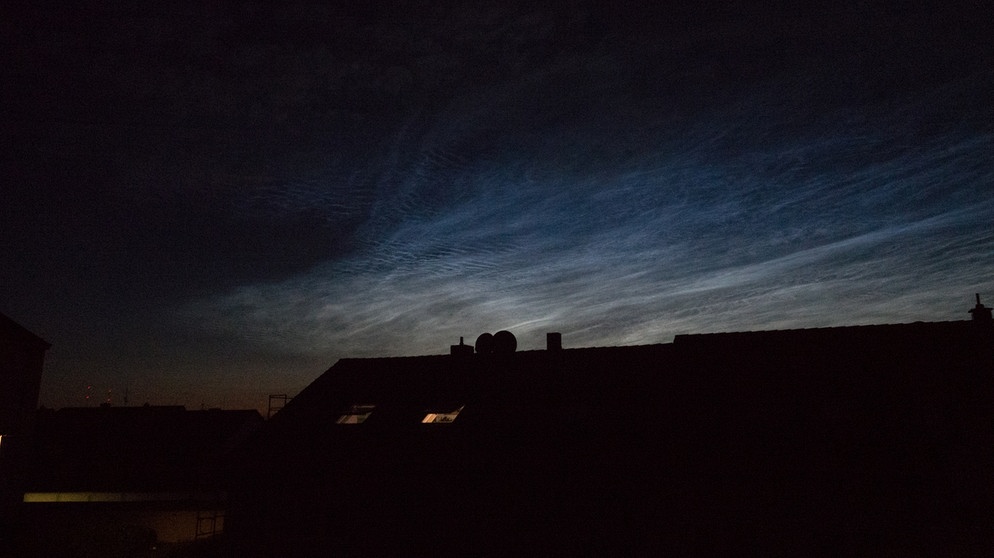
x=357 y=414
x=442 y=418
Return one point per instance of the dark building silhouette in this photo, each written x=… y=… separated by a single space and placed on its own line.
x=112 y=481
x=843 y=441
x=22 y=357
x=980 y=312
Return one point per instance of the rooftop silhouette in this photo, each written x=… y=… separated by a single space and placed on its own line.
x=845 y=440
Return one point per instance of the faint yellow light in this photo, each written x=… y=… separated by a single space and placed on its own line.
x=60 y=497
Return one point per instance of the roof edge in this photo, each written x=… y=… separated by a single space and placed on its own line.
x=9 y=324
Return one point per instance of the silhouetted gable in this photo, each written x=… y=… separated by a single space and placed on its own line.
x=9 y=329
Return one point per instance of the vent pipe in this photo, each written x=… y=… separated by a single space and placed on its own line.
x=460 y=349
x=980 y=312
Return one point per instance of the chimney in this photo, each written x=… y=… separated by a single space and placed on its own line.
x=553 y=341
x=980 y=312
x=461 y=349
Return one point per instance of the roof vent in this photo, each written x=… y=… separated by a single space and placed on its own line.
x=980 y=312
x=460 y=349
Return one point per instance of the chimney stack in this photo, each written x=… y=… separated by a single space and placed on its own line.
x=980 y=312
x=461 y=349
x=554 y=341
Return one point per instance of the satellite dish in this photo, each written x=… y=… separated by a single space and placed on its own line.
x=505 y=342
x=484 y=344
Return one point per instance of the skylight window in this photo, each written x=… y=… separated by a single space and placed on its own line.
x=441 y=418
x=357 y=414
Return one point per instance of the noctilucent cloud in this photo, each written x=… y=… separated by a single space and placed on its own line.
x=209 y=205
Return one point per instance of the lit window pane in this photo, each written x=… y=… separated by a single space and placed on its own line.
x=357 y=414
x=441 y=417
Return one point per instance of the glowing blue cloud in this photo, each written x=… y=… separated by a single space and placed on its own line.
x=746 y=218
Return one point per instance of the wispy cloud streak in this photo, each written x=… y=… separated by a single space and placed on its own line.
x=748 y=217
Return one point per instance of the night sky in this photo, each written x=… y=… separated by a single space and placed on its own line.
x=207 y=202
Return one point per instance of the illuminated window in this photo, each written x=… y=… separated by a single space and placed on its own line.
x=436 y=418
x=357 y=414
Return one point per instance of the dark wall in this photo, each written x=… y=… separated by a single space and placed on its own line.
x=21 y=361
x=22 y=357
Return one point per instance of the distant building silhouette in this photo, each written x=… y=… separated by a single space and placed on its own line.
x=111 y=481
x=980 y=312
x=22 y=357
x=863 y=440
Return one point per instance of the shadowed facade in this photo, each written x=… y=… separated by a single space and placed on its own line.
x=22 y=358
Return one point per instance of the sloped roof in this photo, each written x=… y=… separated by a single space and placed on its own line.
x=726 y=370
x=11 y=329
x=443 y=379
